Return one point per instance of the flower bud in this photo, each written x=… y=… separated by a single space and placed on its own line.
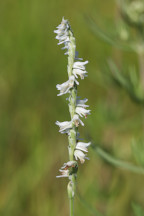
x=70 y=190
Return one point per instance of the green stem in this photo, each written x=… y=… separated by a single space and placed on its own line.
x=71 y=206
x=72 y=107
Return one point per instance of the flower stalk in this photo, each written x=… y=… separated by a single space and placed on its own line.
x=77 y=109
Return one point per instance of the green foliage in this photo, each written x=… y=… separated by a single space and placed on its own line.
x=116 y=162
x=130 y=82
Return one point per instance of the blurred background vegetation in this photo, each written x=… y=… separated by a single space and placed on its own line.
x=31 y=148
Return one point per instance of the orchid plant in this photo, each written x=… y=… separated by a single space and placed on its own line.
x=77 y=108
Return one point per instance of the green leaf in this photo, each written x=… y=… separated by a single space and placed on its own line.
x=130 y=83
x=116 y=162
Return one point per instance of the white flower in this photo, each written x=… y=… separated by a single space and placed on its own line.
x=66 y=86
x=69 y=164
x=63 y=33
x=67 y=125
x=64 y=126
x=77 y=120
x=81 y=103
x=64 y=173
x=82 y=111
x=80 y=65
x=79 y=69
x=83 y=146
x=80 y=155
x=79 y=72
x=63 y=24
x=62 y=28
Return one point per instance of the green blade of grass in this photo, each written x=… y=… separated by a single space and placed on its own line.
x=118 y=163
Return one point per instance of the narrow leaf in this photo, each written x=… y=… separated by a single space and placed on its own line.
x=118 y=163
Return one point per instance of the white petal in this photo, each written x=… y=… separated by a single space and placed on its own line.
x=80 y=72
x=63 y=24
x=81 y=103
x=64 y=126
x=80 y=65
x=61 y=176
x=80 y=155
x=82 y=111
x=65 y=87
x=62 y=32
x=64 y=173
x=68 y=164
x=76 y=82
x=83 y=146
x=77 y=120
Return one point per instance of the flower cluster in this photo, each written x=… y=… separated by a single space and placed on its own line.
x=76 y=68
x=63 y=34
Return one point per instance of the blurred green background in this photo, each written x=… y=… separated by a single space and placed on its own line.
x=31 y=148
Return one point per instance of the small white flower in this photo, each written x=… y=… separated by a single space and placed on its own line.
x=64 y=173
x=81 y=103
x=82 y=111
x=66 y=86
x=77 y=120
x=80 y=155
x=69 y=164
x=80 y=65
x=63 y=24
x=62 y=28
x=79 y=72
x=79 y=69
x=83 y=146
x=63 y=33
x=67 y=125
x=64 y=126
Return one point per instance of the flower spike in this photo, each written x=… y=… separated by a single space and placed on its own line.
x=77 y=107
